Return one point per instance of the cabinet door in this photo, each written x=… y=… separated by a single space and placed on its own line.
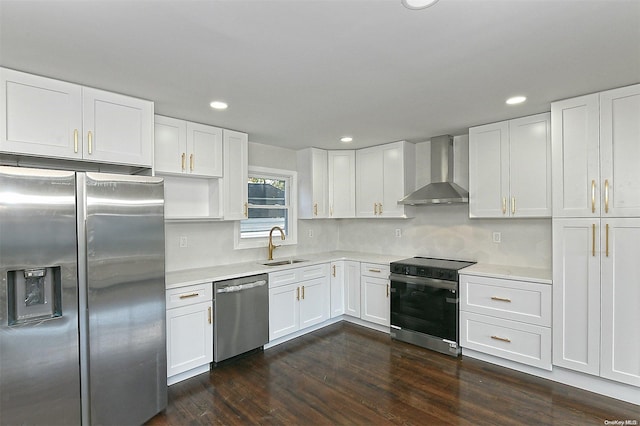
x=369 y=181
x=204 y=150
x=314 y=302
x=530 y=166
x=620 y=151
x=489 y=170
x=337 y=288
x=236 y=174
x=40 y=116
x=352 y=289
x=189 y=337
x=375 y=305
x=393 y=180
x=170 y=145
x=577 y=186
x=342 y=183
x=117 y=128
x=620 y=352
x=576 y=294
x=284 y=310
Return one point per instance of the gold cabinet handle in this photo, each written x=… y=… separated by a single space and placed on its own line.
x=502 y=339
x=513 y=205
x=607 y=240
x=90 y=141
x=331 y=210
x=315 y=209
x=606 y=196
x=183 y=161
x=504 y=205
x=302 y=292
x=500 y=299
x=375 y=270
x=191 y=162
x=593 y=240
x=593 y=196
x=387 y=291
x=334 y=270
x=187 y=296
x=75 y=140
x=375 y=208
x=380 y=208
x=209 y=315
x=246 y=209
x=297 y=293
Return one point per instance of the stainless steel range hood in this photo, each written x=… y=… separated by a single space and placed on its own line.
x=442 y=189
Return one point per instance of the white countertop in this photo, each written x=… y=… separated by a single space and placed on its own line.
x=186 y=277
x=519 y=273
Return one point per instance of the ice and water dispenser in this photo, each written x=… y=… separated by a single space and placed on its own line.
x=34 y=294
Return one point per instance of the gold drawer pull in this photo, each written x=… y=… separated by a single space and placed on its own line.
x=593 y=196
x=90 y=137
x=500 y=299
x=187 y=296
x=387 y=290
x=315 y=209
x=606 y=196
x=191 y=162
x=377 y=271
x=297 y=293
x=334 y=270
x=302 y=292
x=75 y=141
x=504 y=205
x=209 y=315
x=183 y=159
x=502 y=339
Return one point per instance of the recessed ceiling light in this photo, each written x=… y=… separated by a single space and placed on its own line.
x=346 y=139
x=218 y=105
x=418 y=4
x=516 y=100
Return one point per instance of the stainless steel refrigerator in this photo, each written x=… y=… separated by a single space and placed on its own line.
x=82 y=298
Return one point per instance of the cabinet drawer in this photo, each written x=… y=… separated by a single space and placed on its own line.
x=520 y=342
x=375 y=270
x=313 y=272
x=287 y=276
x=515 y=300
x=183 y=296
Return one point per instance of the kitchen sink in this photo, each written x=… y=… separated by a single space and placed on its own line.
x=283 y=262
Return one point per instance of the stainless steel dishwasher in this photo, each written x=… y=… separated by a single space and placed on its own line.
x=241 y=316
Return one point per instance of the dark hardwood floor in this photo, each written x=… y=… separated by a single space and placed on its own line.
x=345 y=374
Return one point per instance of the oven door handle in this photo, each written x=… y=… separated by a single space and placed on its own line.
x=429 y=282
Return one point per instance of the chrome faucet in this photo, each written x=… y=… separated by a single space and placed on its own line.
x=271 y=245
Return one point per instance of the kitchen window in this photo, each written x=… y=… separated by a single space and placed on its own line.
x=272 y=202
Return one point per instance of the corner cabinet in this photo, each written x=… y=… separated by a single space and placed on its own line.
x=510 y=168
x=384 y=175
x=235 y=150
x=44 y=117
x=185 y=148
x=345 y=288
x=189 y=331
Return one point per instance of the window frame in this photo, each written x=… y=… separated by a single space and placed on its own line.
x=291 y=177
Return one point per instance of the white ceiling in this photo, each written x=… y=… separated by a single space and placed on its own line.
x=302 y=73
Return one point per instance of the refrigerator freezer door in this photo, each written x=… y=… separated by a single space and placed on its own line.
x=39 y=352
x=124 y=237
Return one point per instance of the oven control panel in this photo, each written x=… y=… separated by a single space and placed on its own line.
x=425 y=272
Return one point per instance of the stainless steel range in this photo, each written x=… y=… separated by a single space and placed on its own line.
x=424 y=302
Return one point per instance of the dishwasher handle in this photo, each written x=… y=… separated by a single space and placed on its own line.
x=241 y=287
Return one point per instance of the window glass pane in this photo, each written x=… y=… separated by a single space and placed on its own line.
x=267 y=191
x=261 y=220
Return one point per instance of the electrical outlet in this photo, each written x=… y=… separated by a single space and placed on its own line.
x=497 y=237
x=310 y=233
x=398 y=232
x=183 y=241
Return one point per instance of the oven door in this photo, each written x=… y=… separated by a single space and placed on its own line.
x=425 y=305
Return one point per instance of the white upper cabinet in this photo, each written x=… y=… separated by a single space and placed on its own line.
x=236 y=175
x=596 y=152
x=510 y=168
x=384 y=175
x=44 y=117
x=183 y=147
x=342 y=183
x=620 y=151
x=312 y=184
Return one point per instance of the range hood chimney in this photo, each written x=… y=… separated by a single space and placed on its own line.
x=442 y=189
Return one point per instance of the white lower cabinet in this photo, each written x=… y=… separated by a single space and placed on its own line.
x=345 y=288
x=298 y=298
x=374 y=293
x=189 y=330
x=506 y=318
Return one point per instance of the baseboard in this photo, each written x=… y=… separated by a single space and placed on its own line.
x=187 y=374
